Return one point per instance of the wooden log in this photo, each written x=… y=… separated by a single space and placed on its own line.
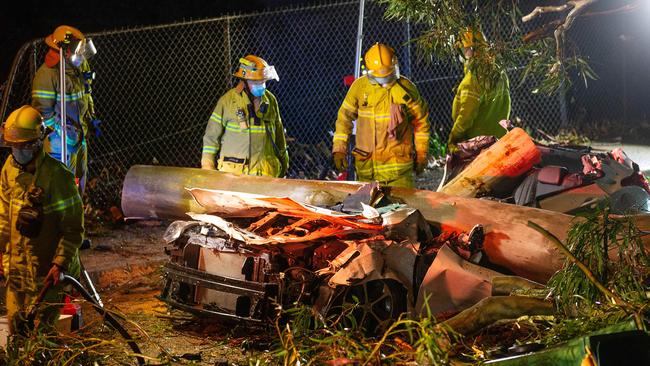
x=496 y=169
x=492 y=309
x=505 y=285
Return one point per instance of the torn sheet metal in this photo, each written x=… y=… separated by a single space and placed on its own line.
x=367 y=195
x=452 y=284
x=372 y=259
x=407 y=223
x=230 y=229
x=253 y=205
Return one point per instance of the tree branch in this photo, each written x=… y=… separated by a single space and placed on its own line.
x=542 y=10
x=546 y=29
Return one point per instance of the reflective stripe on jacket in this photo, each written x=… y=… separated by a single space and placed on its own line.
x=26 y=259
x=477 y=110
x=378 y=155
x=46 y=97
x=239 y=143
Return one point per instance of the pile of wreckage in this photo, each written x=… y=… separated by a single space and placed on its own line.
x=244 y=247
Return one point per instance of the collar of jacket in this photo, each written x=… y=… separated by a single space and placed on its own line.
x=33 y=166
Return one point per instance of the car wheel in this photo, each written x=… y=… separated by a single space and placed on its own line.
x=372 y=305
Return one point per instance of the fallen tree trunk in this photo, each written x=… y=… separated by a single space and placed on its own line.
x=492 y=309
x=498 y=168
x=161 y=192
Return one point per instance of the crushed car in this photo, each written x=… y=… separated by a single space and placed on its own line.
x=571 y=179
x=253 y=255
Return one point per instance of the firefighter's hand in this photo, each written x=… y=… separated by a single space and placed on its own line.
x=54 y=274
x=340 y=161
x=208 y=164
x=95 y=122
x=420 y=164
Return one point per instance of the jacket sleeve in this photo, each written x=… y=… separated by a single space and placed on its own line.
x=85 y=68
x=44 y=91
x=418 y=111
x=67 y=207
x=347 y=113
x=281 y=142
x=213 y=132
x=468 y=96
x=5 y=219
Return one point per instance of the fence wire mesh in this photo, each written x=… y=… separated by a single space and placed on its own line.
x=156 y=86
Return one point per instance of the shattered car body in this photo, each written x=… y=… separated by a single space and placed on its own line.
x=255 y=254
x=565 y=178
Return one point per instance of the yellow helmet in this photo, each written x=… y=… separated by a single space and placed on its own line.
x=471 y=38
x=253 y=67
x=63 y=34
x=23 y=125
x=380 y=60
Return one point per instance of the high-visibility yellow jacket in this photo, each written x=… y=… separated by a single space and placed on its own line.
x=246 y=139
x=46 y=97
x=26 y=259
x=478 y=108
x=379 y=154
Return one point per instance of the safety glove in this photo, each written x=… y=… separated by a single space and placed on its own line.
x=340 y=161
x=96 y=123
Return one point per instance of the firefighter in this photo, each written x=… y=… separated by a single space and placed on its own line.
x=479 y=103
x=80 y=112
x=41 y=219
x=392 y=128
x=244 y=134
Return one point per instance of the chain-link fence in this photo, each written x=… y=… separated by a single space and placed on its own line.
x=156 y=86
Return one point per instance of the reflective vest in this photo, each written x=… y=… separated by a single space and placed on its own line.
x=386 y=145
x=244 y=139
x=46 y=97
x=27 y=260
x=478 y=109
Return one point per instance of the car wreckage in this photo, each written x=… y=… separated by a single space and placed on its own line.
x=244 y=247
x=255 y=254
x=559 y=177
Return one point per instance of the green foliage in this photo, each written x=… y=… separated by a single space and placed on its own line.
x=53 y=349
x=437 y=146
x=445 y=20
x=309 y=342
x=594 y=241
x=571 y=137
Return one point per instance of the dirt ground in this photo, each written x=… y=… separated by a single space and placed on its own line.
x=166 y=336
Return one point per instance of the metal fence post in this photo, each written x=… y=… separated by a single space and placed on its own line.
x=357 y=74
x=64 y=126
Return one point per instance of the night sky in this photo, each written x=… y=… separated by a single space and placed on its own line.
x=36 y=19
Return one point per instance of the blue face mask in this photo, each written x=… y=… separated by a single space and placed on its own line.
x=23 y=156
x=257 y=89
